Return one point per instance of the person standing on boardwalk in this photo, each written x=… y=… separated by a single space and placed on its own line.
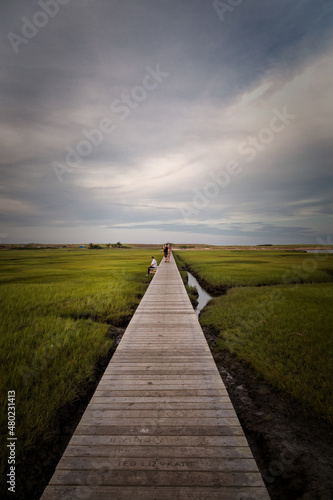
x=165 y=251
x=169 y=252
x=153 y=265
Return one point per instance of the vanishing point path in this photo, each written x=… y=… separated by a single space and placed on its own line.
x=160 y=425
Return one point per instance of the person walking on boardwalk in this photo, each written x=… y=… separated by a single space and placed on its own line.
x=165 y=251
x=153 y=265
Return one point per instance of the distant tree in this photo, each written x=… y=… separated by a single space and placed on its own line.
x=108 y=245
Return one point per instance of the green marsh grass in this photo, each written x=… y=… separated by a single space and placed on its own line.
x=221 y=269
x=57 y=307
x=283 y=330
x=285 y=334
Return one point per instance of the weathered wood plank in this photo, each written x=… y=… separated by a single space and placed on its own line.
x=170 y=422
x=154 y=492
x=151 y=393
x=122 y=390
x=143 y=441
x=111 y=405
x=160 y=430
x=152 y=384
x=157 y=451
x=169 y=463
x=110 y=477
x=165 y=399
x=114 y=414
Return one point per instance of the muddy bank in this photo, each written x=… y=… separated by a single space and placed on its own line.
x=35 y=472
x=294 y=451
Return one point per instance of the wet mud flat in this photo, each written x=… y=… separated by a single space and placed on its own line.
x=294 y=451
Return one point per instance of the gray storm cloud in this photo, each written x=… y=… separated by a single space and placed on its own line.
x=116 y=116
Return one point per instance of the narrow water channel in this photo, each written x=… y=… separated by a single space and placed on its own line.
x=325 y=250
x=203 y=298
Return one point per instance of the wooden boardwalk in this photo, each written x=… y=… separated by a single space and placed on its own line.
x=160 y=425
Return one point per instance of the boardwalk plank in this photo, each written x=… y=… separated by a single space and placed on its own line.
x=169 y=463
x=159 y=452
x=134 y=477
x=139 y=430
x=155 y=492
x=111 y=405
x=150 y=422
x=114 y=414
x=220 y=442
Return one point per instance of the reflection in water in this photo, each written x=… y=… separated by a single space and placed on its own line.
x=203 y=298
x=320 y=251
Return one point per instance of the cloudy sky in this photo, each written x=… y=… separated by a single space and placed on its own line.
x=153 y=120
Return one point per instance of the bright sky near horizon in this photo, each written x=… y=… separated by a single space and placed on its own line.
x=165 y=120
